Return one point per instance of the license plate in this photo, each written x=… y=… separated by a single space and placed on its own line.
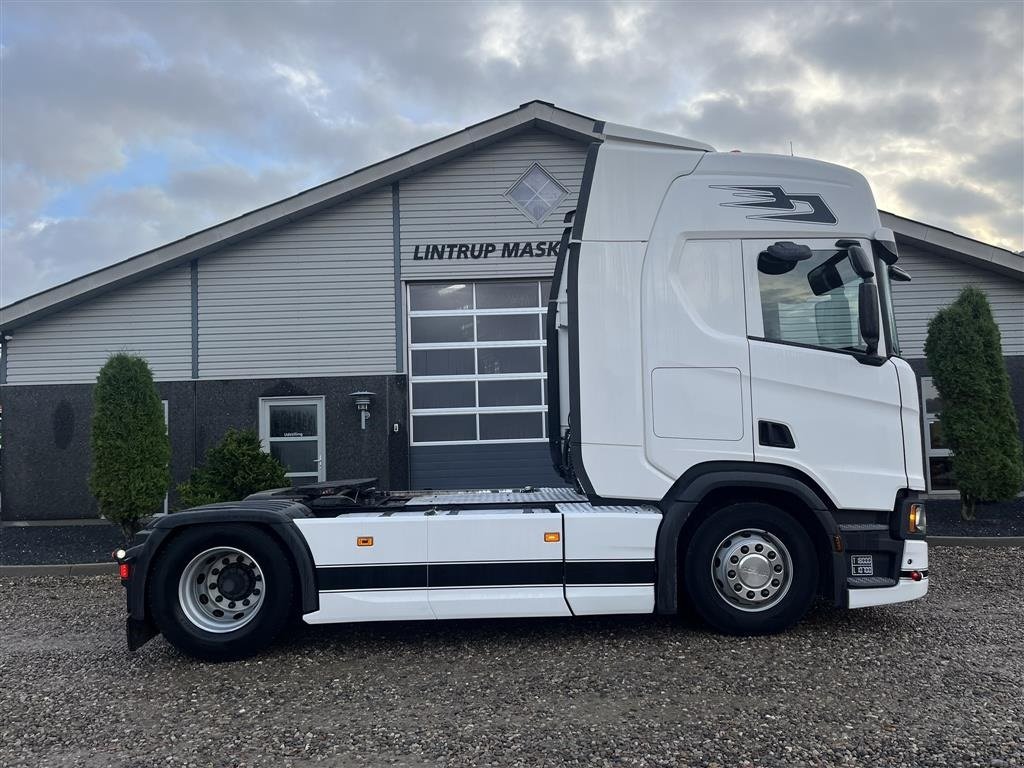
x=862 y=565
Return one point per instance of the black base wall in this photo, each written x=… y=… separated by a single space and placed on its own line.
x=46 y=456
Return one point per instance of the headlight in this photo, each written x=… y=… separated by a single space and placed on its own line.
x=917 y=522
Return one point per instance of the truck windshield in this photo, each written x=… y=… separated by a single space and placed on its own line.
x=812 y=302
x=892 y=339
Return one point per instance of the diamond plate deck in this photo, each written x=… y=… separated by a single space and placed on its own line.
x=511 y=497
x=588 y=507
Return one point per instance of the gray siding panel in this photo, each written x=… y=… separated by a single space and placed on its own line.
x=484 y=465
x=464 y=201
x=937 y=281
x=151 y=318
x=314 y=298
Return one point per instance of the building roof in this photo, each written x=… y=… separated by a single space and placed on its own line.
x=533 y=114
x=955 y=246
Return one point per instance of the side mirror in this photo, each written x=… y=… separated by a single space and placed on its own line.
x=867 y=310
x=898 y=275
x=779 y=258
x=861 y=262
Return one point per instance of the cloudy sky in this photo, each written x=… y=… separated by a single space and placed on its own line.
x=127 y=125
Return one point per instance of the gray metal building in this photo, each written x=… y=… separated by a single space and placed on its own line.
x=422 y=279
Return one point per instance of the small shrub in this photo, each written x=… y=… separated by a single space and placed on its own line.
x=977 y=417
x=236 y=467
x=130 y=450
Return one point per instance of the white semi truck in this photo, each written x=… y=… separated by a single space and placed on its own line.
x=727 y=406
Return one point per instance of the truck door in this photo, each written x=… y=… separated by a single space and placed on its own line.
x=819 y=403
x=492 y=563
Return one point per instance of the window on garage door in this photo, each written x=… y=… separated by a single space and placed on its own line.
x=476 y=361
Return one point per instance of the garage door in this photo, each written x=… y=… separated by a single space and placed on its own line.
x=477 y=384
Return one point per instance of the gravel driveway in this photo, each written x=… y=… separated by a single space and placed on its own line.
x=937 y=682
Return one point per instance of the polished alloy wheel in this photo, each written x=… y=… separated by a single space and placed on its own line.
x=221 y=589
x=752 y=570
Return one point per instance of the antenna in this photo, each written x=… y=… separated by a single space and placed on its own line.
x=791 y=149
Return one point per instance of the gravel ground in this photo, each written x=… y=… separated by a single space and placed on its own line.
x=931 y=683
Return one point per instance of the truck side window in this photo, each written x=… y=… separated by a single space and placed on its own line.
x=813 y=302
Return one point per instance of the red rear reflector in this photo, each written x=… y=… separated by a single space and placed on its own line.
x=915 y=575
x=124 y=570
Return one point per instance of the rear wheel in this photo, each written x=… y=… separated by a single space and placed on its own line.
x=751 y=569
x=220 y=592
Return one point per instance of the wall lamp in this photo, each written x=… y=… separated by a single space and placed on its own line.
x=363 y=400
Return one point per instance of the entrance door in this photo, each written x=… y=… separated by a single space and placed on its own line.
x=292 y=431
x=819 y=403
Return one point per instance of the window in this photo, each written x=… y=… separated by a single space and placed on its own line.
x=938 y=457
x=536 y=193
x=812 y=302
x=292 y=431
x=476 y=361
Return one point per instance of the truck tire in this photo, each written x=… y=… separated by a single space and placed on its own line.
x=221 y=592
x=750 y=569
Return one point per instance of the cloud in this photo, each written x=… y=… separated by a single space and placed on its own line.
x=129 y=124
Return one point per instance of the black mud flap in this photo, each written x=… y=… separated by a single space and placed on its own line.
x=139 y=633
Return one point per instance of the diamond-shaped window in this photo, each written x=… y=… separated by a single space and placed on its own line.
x=536 y=193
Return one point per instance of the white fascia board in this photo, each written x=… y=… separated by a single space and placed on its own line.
x=956 y=246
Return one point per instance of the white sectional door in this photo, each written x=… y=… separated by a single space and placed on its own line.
x=496 y=563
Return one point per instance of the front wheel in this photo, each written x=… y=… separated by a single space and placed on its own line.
x=220 y=592
x=751 y=569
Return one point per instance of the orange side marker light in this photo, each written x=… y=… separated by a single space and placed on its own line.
x=552 y=537
x=364 y=541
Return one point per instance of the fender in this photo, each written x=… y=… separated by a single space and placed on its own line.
x=276 y=515
x=696 y=483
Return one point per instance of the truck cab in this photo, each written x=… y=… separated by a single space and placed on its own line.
x=727 y=406
x=723 y=325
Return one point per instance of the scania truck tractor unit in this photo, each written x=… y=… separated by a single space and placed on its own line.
x=737 y=433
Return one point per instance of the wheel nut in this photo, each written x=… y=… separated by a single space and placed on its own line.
x=765 y=593
x=732 y=574
x=737 y=587
x=750 y=595
x=775 y=582
x=744 y=549
x=734 y=559
x=758 y=547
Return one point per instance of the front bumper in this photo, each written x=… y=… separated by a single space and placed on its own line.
x=914 y=560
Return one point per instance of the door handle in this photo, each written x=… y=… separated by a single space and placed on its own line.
x=774 y=435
